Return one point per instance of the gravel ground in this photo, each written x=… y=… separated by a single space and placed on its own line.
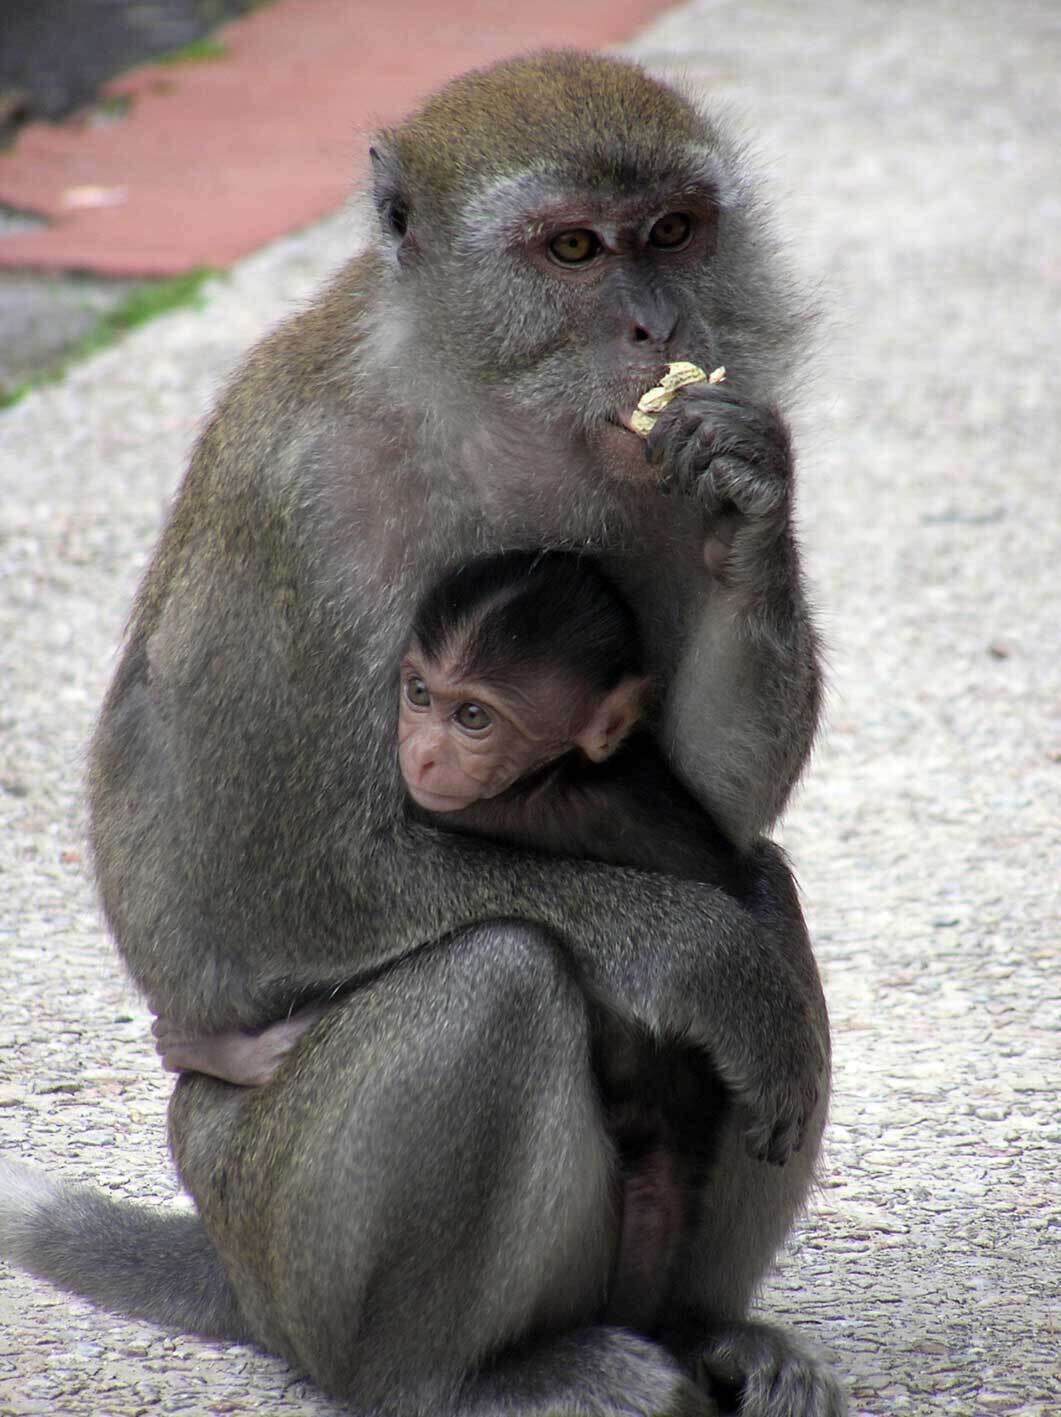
x=914 y=148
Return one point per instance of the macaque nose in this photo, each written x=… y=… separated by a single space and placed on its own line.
x=423 y=767
x=422 y=764
x=657 y=330
x=424 y=754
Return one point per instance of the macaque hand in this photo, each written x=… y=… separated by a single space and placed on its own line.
x=171 y=1041
x=730 y=453
x=780 y=1091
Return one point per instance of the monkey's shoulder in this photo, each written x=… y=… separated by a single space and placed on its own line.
x=306 y=380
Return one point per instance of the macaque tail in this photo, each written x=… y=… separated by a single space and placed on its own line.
x=141 y=1263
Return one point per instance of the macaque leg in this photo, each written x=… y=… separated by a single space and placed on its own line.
x=654 y=1187
x=420 y=1207
x=747 y=1208
x=664 y=1112
x=247 y=1058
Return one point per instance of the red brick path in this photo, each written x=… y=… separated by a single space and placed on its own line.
x=214 y=158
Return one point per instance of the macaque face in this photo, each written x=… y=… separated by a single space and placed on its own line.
x=460 y=742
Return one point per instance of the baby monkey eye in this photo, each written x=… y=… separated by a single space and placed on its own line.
x=671 y=231
x=416 y=691
x=472 y=717
x=574 y=248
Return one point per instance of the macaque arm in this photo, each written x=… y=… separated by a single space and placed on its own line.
x=742 y=707
x=752 y=672
x=680 y=958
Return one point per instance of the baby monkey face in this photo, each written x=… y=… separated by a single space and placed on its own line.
x=462 y=740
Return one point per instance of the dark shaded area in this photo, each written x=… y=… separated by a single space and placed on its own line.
x=55 y=54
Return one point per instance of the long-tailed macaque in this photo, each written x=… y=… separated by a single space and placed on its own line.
x=420 y=1207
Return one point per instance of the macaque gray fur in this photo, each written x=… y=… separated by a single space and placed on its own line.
x=420 y=1207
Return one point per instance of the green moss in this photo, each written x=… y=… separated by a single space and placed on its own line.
x=9 y=397
x=136 y=309
x=115 y=105
x=199 y=50
x=143 y=305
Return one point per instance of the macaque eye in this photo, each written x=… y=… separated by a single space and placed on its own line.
x=472 y=717
x=416 y=691
x=671 y=231
x=574 y=248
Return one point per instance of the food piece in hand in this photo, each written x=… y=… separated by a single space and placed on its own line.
x=652 y=403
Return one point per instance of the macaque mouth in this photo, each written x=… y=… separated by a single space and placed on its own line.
x=644 y=380
x=437 y=802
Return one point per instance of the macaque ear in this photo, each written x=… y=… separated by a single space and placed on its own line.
x=612 y=719
x=391 y=200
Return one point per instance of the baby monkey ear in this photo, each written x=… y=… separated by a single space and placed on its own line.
x=612 y=718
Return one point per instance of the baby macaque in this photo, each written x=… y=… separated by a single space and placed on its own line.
x=523 y=716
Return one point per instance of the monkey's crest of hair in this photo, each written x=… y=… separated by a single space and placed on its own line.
x=532 y=612
x=583 y=110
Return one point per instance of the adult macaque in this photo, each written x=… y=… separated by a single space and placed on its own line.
x=420 y=1207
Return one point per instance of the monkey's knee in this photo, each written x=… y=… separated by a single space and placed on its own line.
x=476 y=1204
x=533 y=1117
x=518 y=973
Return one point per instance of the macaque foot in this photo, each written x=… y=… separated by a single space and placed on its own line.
x=246 y=1058
x=606 y=1371
x=759 y=1371
x=781 y=1089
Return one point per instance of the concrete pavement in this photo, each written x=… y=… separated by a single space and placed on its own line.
x=913 y=149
